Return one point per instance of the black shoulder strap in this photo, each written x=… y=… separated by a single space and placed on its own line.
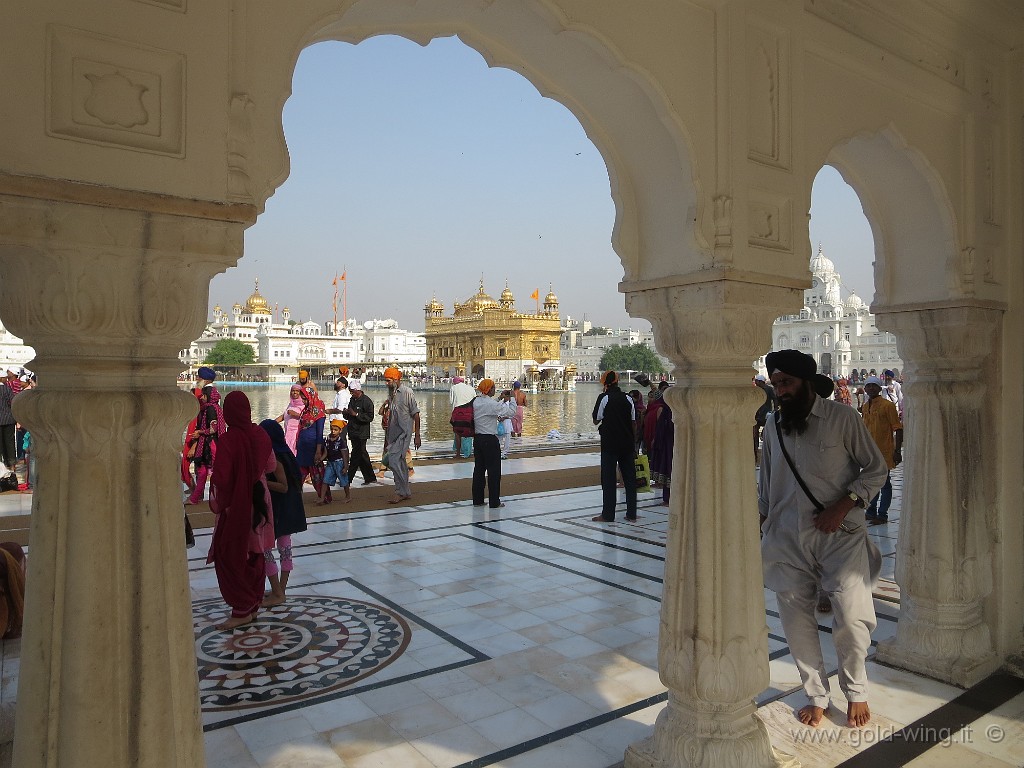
x=778 y=430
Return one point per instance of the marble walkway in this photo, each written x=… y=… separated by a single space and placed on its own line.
x=449 y=636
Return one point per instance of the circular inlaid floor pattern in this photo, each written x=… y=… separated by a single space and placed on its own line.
x=307 y=647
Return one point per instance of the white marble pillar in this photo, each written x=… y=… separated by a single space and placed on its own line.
x=713 y=640
x=943 y=560
x=108 y=286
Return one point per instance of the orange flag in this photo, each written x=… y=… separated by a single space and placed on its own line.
x=535 y=295
x=343 y=275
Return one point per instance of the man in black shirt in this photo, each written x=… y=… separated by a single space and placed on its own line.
x=614 y=414
x=359 y=413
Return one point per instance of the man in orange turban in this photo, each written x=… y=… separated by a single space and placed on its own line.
x=403 y=428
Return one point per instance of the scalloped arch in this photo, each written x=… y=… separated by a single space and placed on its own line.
x=628 y=118
x=909 y=213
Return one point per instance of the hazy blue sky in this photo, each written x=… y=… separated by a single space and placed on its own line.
x=419 y=169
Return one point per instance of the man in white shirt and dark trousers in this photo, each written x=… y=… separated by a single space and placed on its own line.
x=614 y=414
x=486 y=449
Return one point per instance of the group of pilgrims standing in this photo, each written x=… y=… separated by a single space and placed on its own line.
x=255 y=473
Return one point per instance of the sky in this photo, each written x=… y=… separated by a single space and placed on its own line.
x=417 y=170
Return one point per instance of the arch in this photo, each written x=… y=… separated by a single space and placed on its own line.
x=909 y=213
x=620 y=107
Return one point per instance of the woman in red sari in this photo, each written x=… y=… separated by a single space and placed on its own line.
x=241 y=501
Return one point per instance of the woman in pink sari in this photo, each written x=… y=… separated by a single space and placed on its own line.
x=240 y=499
x=290 y=417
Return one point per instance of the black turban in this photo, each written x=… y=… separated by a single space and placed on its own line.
x=801 y=366
x=793 y=362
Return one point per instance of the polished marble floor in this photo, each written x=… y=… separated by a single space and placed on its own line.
x=531 y=641
x=448 y=636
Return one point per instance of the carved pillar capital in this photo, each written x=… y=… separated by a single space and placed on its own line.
x=713 y=644
x=943 y=563
x=107 y=297
x=713 y=331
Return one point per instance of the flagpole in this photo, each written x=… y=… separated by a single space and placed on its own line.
x=344 y=295
x=335 y=303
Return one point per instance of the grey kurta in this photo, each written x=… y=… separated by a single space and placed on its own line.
x=402 y=410
x=835 y=455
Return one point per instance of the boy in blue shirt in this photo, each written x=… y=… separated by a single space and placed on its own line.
x=335 y=447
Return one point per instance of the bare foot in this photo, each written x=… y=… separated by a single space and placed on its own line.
x=348 y=499
x=236 y=621
x=858 y=714
x=398 y=499
x=270 y=599
x=324 y=502
x=810 y=715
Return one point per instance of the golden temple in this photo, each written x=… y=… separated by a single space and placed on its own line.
x=488 y=337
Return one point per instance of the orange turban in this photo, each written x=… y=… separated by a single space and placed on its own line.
x=610 y=377
x=392 y=373
x=343 y=370
x=486 y=386
x=304 y=373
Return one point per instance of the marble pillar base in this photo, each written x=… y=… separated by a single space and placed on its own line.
x=962 y=672
x=707 y=740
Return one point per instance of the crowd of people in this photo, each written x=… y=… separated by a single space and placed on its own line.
x=256 y=473
x=15 y=441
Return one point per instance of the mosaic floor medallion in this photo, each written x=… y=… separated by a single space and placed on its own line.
x=305 y=648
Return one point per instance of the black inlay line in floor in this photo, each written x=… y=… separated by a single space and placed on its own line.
x=564 y=733
x=385 y=535
x=588 y=576
x=478 y=655
x=313 y=700
x=937 y=727
x=613 y=532
x=592 y=540
x=576 y=555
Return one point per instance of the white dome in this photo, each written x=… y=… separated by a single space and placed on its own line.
x=822 y=266
x=853 y=301
x=842 y=346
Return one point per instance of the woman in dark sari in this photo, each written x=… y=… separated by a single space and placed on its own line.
x=241 y=502
x=289 y=511
x=664 y=448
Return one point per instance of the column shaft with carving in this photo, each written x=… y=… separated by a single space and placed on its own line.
x=943 y=563
x=107 y=297
x=713 y=642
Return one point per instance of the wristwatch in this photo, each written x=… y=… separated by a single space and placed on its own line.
x=857 y=500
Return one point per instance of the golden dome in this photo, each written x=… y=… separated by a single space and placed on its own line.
x=256 y=304
x=476 y=304
x=434 y=305
x=550 y=298
x=506 y=295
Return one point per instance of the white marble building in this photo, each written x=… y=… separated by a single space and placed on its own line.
x=839 y=334
x=282 y=345
x=586 y=350
x=13 y=351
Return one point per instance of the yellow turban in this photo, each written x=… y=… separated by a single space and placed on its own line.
x=340 y=423
x=392 y=373
x=486 y=386
x=304 y=373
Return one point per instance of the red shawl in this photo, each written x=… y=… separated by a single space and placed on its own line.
x=242 y=455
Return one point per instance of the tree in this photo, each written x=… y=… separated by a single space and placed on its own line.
x=598 y=330
x=635 y=357
x=230 y=352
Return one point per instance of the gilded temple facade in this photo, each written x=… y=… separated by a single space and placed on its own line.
x=487 y=338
